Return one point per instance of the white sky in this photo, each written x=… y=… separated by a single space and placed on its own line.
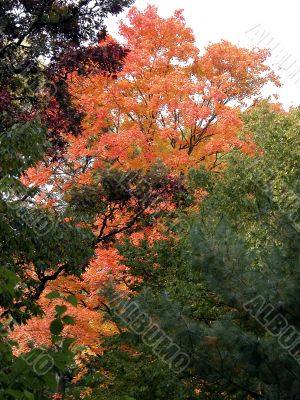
x=273 y=24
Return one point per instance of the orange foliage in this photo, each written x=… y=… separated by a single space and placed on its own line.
x=169 y=102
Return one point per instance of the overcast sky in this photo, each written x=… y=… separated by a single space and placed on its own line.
x=263 y=23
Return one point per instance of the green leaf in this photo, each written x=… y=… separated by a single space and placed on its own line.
x=56 y=326
x=60 y=310
x=68 y=320
x=72 y=300
x=50 y=380
x=53 y=295
x=62 y=359
x=68 y=341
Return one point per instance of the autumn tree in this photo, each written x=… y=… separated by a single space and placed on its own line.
x=171 y=108
x=171 y=101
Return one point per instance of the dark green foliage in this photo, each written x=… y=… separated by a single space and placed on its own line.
x=246 y=243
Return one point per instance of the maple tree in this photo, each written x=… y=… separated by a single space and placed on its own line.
x=170 y=109
x=170 y=101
